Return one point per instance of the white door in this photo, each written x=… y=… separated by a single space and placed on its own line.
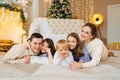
x=114 y=23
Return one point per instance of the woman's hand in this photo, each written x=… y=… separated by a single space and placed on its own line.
x=76 y=65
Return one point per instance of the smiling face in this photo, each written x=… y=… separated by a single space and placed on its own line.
x=44 y=47
x=36 y=45
x=72 y=42
x=63 y=51
x=88 y=32
x=62 y=48
x=86 y=35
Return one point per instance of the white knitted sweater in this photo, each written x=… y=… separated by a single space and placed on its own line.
x=97 y=51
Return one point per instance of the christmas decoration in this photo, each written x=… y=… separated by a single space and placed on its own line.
x=59 y=9
x=12 y=16
x=97 y=19
x=3 y=14
x=8 y=6
x=25 y=13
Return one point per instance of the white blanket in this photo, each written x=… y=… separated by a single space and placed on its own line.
x=107 y=70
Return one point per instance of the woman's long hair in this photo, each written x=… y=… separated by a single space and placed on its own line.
x=78 y=50
x=50 y=45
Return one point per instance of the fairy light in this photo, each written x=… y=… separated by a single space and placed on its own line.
x=82 y=9
x=92 y=9
x=79 y=8
x=82 y=6
x=23 y=2
x=72 y=5
x=87 y=11
x=49 y=3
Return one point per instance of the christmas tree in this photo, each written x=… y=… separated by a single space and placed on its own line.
x=59 y=9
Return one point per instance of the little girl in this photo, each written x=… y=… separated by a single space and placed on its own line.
x=62 y=55
x=46 y=54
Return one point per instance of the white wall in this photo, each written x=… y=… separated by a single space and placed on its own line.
x=114 y=23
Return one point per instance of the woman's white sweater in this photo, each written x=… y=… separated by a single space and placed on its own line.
x=97 y=51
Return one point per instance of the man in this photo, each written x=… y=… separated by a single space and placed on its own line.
x=19 y=51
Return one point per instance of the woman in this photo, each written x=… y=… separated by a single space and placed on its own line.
x=77 y=48
x=95 y=47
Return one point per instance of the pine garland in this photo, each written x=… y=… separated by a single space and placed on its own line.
x=8 y=6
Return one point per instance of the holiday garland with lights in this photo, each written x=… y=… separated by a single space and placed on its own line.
x=8 y=6
x=59 y=9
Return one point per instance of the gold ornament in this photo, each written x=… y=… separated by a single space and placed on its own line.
x=96 y=19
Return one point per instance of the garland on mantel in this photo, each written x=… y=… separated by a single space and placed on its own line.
x=8 y=6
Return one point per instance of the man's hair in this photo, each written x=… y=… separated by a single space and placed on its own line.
x=35 y=35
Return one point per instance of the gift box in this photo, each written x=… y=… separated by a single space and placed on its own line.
x=114 y=46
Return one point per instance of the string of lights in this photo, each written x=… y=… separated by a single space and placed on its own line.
x=82 y=9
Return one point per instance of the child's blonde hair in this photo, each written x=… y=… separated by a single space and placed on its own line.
x=62 y=44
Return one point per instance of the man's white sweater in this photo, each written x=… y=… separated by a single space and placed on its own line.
x=17 y=52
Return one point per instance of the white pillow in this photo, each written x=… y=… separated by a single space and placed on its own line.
x=40 y=25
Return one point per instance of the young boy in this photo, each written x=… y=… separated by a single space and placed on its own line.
x=62 y=55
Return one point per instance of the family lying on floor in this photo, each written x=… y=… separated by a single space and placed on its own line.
x=75 y=52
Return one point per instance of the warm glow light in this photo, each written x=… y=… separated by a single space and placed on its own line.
x=0 y=12
x=24 y=2
x=97 y=19
x=82 y=9
x=11 y=30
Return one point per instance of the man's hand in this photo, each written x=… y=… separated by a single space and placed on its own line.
x=27 y=59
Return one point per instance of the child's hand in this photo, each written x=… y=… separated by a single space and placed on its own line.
x=48 y=50
x=27 y=59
